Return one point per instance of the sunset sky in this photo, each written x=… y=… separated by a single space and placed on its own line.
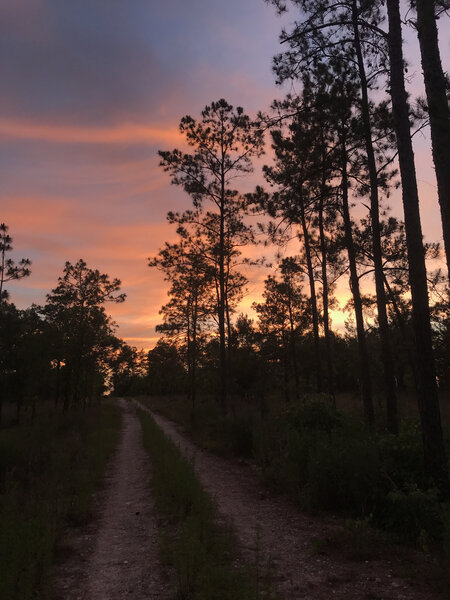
x=91 y=90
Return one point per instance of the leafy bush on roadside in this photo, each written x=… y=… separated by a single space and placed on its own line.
x=342 y=474
x=326 y=462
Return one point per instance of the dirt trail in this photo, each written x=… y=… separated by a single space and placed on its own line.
x=116 y=556
x=275 y=530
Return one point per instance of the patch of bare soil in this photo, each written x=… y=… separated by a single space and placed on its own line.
x=274 y=534
x=115 y=556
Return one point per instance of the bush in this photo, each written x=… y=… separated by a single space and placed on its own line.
x=327 y=463
x=343 y=474
x=314 y=413
x=414 y=514
x=238 y=434
x=402 y=456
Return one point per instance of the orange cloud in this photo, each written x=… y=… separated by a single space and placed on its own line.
x=52 y=230
x=128 y=133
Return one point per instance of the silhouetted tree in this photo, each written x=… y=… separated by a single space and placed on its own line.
x=166 y=371
x=223 y=142
x=434 y=449
x=75 y=309
x=9 y=269
x=295 y=171
x=129 y=370
x=25 y=358
x=436 y=88
x=346 y=32
x=190 y=272
x=362 y=20
x=284 y=312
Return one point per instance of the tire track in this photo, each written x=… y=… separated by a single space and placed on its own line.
x=117 y=556
x=272 y=531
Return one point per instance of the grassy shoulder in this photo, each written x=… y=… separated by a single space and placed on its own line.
x=201 y=552
x=48 y=473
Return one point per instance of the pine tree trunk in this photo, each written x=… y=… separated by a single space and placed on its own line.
x=194 y=358
x=383 y=324
x=189 y=349
x=364 y=368
x=229 y=338
x=435 y=88
x=221 y=307
x=2 y=272
x=293 y=350
x=58 y=382
x=312 y=287
x=403 y=330
x=285 y=358
x=434 y=449
x=326 y=317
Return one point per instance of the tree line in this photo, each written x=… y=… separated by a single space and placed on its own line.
x=336 y=145
x=66 y=351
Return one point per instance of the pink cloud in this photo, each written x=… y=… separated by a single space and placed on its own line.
x=128 y=133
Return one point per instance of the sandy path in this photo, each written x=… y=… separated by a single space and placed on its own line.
x=281 y=535
x=116 y=556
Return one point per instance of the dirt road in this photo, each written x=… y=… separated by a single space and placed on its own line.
x=116 y=556
x=272 y=531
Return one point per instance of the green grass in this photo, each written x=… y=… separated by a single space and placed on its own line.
x=201 y=552
x=48 y=472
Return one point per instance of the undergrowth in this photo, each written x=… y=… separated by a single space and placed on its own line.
x=48 y=472
x=201 y=552
x=328 y=461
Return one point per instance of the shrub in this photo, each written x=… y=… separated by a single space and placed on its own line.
x=402 y=456
x=315 y=412
x=343 y=474
x=414 y=514
x=239 y=435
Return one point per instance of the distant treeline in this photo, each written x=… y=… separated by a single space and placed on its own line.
x=64 y=352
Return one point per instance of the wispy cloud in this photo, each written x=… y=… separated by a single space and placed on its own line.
x=127 y=133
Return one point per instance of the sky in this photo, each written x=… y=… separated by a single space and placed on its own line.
x=91 y=90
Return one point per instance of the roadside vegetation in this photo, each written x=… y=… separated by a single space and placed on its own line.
x=49 y=470
x=326 y=461
x=201 y=551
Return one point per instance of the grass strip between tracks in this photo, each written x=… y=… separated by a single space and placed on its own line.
x=201 y=551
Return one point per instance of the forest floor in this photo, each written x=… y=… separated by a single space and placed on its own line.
x=116 y=555
x=303 y=553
